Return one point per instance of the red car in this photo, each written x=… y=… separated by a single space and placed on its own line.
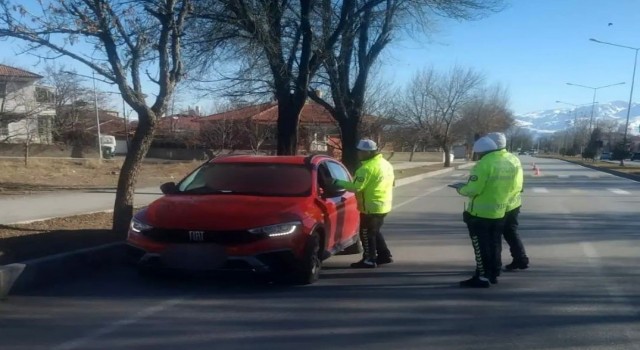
x=271 y=214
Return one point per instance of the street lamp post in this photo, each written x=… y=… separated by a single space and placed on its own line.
x=124 y=116
x=95 y=105
x=95 y=95
x=633 y=78
x=595 y=89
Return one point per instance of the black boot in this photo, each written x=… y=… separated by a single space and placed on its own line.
x=381 y=260
x=518 y=264
x=364 y=264
x=475 y=282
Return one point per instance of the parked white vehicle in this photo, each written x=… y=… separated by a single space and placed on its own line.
x=108 y=143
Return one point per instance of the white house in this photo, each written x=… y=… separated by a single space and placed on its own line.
x=27 y=108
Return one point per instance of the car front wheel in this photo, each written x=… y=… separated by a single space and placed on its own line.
x=307 y=271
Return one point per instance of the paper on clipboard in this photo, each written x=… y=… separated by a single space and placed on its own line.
x=457 y=185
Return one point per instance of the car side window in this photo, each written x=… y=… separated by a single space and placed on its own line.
x=324 y=175
x=338 y=172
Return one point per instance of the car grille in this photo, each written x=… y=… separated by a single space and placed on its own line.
x=187 y=236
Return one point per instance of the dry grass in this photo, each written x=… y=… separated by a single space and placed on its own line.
x=38 y=239
x=56 y=174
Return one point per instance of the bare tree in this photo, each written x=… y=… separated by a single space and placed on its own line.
x=276 y=37
x=519 y=138
x=26 y=110
x=220 y=135
x=257 y=134
x=74 y=103
x=434 y=102
x=488 y=112
x=129 y=39
x=372 y=26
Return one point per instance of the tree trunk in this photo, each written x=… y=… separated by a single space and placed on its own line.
x=288 y=116
x=26 y=152
x=447 y=158
x=413 y=151
x=123 y=206
x=349 y=132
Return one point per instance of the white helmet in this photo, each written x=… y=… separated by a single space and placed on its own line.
x=367 y=145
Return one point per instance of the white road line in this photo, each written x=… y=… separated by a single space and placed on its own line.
x=457 y=175
x=563 y=176
x=429 y=191
x=539 y=190
x=618 y=191
x=81 y=342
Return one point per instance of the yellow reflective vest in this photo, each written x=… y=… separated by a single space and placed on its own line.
x=373 y=185
x=491 y=186
x=516 y=198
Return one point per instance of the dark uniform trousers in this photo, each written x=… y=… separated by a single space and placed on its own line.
x=486 y=239
x=373 y=243
x=512 y=237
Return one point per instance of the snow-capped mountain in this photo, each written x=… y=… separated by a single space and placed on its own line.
x=553 y=120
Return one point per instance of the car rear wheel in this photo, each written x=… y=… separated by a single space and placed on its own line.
x=307 y=271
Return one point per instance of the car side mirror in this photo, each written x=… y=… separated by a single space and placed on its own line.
x=169 y=188
x=333 y=192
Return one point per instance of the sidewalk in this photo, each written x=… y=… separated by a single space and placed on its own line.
x=15 y=209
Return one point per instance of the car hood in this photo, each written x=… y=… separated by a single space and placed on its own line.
x=222 y=212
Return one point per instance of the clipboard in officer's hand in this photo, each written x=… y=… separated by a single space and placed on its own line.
x=457 y=186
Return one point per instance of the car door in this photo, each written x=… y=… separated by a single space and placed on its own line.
x=330 y=205
x=347 y=215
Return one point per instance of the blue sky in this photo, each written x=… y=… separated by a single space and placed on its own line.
x=533 y=48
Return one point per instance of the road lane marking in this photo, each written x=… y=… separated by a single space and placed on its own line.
x=539 y=190
x=429 y=191
x=563 y=176
x=81 y=342
x=618 y=191
x=457 y=175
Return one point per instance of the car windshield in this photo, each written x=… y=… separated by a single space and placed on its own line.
x=282 y=180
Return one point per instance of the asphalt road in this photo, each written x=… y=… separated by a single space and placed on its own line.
x=580 y=228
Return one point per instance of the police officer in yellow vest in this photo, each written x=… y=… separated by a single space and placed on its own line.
x=490 y=189
x=373 y=184
x=510 y=233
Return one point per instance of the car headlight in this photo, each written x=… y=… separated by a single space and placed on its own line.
x=139 y=226
x=277 y=230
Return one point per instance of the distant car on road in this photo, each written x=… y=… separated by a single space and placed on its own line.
x=522 y=153
x=268 y=214
x=605 y=156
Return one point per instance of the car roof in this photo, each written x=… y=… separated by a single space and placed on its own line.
x=260 y=159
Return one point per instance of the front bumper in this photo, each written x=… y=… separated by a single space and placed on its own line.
x=273 y=261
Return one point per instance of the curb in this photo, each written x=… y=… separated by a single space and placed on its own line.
x=31 y=274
